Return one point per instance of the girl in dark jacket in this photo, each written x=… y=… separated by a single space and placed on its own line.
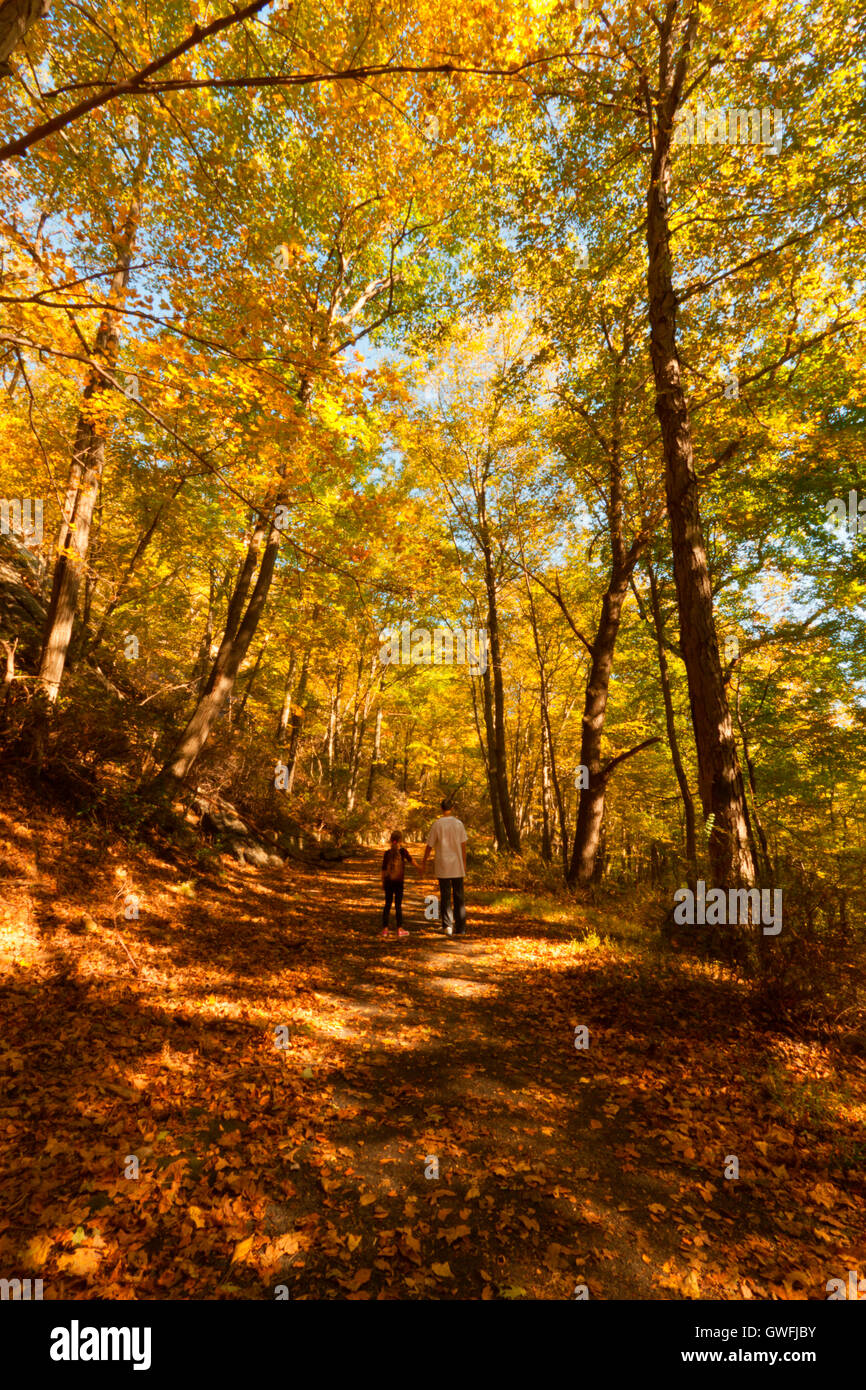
x=394 y=862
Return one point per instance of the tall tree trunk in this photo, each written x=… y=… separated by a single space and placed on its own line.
x=286 y=706
x=410 y=729
x=750 y=771
x=233 y=649
x=377 y=753
x=297 y=719
x=670 y=725
x=360 y=710
x=720 y=779
x=492 y=794
x=85 y=475
x=546 y=840
x=492 y=779
x=79 y=644
x=143 y=542
x=548 y=748
x=590 y=810
x=240 y=628
x=497 y=750
x=333 y=723
x=16 y=18
x=252 y=680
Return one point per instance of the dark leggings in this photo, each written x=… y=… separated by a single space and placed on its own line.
x=393 y=889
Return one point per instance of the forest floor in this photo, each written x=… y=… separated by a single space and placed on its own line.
x=310 y=1166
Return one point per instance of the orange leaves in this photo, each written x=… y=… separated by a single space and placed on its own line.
x=36 y=1252
x=242 y=1249
x=84 y=1261
x=87 y=1256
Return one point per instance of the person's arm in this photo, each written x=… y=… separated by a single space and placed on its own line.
x=424 y=860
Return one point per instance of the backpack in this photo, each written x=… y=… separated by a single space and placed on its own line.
x=394 y=871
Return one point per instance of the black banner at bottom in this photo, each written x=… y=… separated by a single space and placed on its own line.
x=59 y=1340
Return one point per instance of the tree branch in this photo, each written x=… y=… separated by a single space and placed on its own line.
x=609 y=767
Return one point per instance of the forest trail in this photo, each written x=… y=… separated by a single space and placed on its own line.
x=305 y=1166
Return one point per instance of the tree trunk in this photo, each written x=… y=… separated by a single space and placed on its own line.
x=238 y=634
x=670 y=724
x=750 y=771
x=252 y=680
x=79 y=645
x=497 y=750
x=333 y=721
x=143 y=542
x=546 y=841
x=377 y=753
x=548 y=748
x=359 y=728
x=16 y=18
x=590 y=810
x=85 y=476
x=492 y=781
x=410 y=728
x=297 y=720
x=286 y=707
x=720 y=779
x=235 y=644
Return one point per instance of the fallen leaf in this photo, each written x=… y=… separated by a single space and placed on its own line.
x=242 y=1249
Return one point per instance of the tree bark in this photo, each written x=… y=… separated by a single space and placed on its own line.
x=750 y=770
x=546 y=840
x=497 y=750
x=333 y=722
x=499 y=832
x=590 y=810
x=238 y=635
x=550 y=776
x=252 y=680
x=85 y=476
x=377 y=753
x=143 y=542
x=720 y=779
x=286 y=707
x=670 y=725
x=297 y=719
x=16 y=18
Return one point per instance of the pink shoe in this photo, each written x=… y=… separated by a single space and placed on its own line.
x=401 y=932
x=385 y=932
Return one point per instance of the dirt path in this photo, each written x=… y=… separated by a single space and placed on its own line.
x=311 y=1167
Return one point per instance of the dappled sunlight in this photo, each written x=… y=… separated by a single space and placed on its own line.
x=301 y=1084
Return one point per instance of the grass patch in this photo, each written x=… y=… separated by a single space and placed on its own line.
x=817 y=1103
